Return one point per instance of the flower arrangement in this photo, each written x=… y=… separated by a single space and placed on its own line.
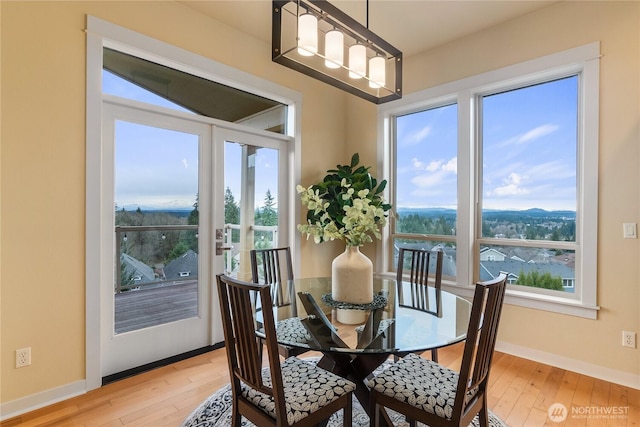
x=347 y=205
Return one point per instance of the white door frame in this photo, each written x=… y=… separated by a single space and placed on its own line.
x=124 y=351
x=102 y=34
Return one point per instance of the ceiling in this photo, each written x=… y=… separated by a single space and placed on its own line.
x=411 y=26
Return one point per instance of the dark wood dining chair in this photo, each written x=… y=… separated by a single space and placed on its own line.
x=289 y=393
x=418 y=263
x=273 y=267
x=434 y=395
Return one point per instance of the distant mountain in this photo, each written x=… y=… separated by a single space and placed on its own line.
x=534 y=212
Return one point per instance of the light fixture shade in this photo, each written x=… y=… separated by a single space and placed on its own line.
x=334 y=49
x=357 y=61
x=377 y=72
x=323 y=57
x=307 y=34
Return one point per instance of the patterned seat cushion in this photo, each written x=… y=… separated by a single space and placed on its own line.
x=421 y=383
x=307 y=388
x=292 y=330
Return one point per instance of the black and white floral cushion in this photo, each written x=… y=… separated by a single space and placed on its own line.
x=292 y=330
x=307 y=388
x=421 y=383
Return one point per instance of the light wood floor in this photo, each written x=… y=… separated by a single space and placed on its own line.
x=520 y=393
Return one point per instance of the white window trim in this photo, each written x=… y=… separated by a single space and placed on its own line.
x=584 y=60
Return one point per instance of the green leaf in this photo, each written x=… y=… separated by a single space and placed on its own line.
x=355 y=159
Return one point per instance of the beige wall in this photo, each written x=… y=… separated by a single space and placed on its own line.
x=43 y=164
x=43 y=168
x=562 y=26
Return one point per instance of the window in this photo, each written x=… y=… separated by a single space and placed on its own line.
x=426 y=182
x=500 y=171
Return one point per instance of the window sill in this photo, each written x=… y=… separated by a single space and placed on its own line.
x=529 y=300
x=536 y=301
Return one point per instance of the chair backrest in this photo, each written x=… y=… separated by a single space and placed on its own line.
x=274 y=267
x=419 y=262
x=240 y=338
x=486 y=308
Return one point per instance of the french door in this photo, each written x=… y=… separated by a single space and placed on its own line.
x=190 y=200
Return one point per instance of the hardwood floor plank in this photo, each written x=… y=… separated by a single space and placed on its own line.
x=520 y=392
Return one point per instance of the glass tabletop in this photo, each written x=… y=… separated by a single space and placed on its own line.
x=305 y=320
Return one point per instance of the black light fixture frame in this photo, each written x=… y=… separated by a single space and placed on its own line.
x=347 y=24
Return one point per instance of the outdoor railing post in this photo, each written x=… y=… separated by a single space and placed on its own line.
x=118 y=262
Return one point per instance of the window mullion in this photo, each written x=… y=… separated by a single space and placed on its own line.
x=465 y=227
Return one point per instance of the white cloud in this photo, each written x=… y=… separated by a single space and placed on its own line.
x=185 y=163
x=437 y=170
x=536 y=133
x=417 y=136
x=512 y=186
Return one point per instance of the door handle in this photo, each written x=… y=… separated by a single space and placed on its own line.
x=220 y=248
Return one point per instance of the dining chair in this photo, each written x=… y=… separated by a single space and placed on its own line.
x=290 y=393
x=418 y=262
x=273 y=267
x=425 y=391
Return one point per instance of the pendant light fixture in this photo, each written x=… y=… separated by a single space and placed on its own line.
x=307 y=34
x=357 y=61
x=334 y=49
x=377 y=72
x=349 y=56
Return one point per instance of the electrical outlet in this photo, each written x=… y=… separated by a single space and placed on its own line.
x=23 y=357
x=628 y=339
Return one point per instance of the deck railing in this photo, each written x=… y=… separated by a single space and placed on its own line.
x=162 y=239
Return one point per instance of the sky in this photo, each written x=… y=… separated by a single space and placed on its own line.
x=158 y=168
x=528 y=156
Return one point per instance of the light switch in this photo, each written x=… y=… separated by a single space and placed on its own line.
x=629 y=230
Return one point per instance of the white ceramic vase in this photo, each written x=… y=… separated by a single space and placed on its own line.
x=352 y=277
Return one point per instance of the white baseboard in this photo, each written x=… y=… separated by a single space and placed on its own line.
x=626 y=379
x=23 y=405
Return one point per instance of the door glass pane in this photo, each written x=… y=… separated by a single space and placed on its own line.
x=251 y=203
x=156 y=226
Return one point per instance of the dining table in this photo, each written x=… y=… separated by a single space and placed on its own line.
x=354 y=339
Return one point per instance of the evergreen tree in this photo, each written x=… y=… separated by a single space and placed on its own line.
x=231 y=213
x=269 y=216
x=191 y=235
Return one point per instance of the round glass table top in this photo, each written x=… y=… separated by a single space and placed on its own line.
x=408 y=322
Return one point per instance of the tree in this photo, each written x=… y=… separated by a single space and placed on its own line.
x=231 y=213
x=192 y=235
x=539 y=280
x=268 y=214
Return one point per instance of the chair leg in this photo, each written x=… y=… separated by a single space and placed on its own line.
x=483 y=415
x=434 y=355
x=375 y=421
x=236 y=418
x=347 y=413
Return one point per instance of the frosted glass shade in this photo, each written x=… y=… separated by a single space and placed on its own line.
x=357 y=61
x=376 y=72
x=334 y=49
x=307 y=34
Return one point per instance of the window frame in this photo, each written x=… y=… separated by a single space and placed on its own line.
x=583 y=61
